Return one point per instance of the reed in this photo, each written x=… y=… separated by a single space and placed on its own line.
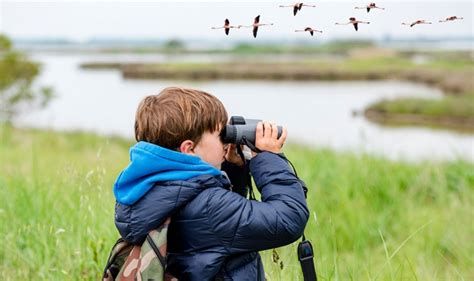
x=371 y=218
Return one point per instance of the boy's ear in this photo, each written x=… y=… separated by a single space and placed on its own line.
x=187 y=147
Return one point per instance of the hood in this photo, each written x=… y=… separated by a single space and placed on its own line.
x=149 y=164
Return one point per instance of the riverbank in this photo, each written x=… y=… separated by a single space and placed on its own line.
x=450 y=72
x=371 y=218
x=457 y=82
x=456 y=112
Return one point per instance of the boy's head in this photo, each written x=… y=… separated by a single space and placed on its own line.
x=179 y=118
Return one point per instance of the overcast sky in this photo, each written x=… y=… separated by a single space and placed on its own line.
x=81 y=20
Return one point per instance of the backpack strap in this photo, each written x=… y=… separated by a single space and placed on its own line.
x=125 y=255
x=121 y=249
x=161 y=255
x=156 y=250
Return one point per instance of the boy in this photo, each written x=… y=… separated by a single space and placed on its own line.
x=215 y=233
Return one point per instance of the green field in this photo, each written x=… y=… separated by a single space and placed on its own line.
x=371 y=218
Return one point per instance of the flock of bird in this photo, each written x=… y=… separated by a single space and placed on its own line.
x=297 y=7
x=255 y=25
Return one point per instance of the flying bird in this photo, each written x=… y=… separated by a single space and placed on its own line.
x=416 y=22
x=369 y=6
x=226 y=27
x=309 y=29
x=451 y=19
x=354 y=22
x=255 y=25
x=297 y=7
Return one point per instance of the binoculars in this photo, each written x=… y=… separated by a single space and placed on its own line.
x=241 y=130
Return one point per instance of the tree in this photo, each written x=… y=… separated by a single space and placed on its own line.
x=17 y=74
x=174 y=45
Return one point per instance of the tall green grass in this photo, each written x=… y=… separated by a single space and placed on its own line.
x=371 y=219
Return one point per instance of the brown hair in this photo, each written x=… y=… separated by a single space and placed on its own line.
x=178 y=114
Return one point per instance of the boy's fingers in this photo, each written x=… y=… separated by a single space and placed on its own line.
x=267 y=129
x=274 y=130
x=282 y=138
x=259 y=131
x=232 y=156
x=230 y=147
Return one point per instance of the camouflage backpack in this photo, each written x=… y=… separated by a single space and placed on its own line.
x=140 y=262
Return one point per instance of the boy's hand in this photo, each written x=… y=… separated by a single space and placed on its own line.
x=266 y=138
x=232 y=156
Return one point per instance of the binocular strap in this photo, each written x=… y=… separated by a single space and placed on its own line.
x=305 y=249
x=305 y=256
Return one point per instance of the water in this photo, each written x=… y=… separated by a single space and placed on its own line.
x=316 y=113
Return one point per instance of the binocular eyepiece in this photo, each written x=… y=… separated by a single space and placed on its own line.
x=241 y=130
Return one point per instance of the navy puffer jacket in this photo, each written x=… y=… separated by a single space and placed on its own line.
x=215 y=232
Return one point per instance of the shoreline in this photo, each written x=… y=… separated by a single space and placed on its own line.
x=456 y=83
x=446 y=122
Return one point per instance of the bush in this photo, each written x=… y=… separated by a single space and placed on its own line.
x=17 y=74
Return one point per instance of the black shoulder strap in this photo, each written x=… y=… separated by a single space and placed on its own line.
x=305 y=249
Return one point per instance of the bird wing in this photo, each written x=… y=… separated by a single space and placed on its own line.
x=308 y=29
x=368 y=9
x=413 y=24
x=255 y=29
x=226 y=22
x=311 y=32
x=295 y=10
x=257 y=19
x=300 y=5
x=226 y=31
x=356 y=26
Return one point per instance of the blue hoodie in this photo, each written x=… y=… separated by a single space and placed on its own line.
x=150 y=164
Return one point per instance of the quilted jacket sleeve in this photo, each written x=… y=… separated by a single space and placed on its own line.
x=279 y=219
